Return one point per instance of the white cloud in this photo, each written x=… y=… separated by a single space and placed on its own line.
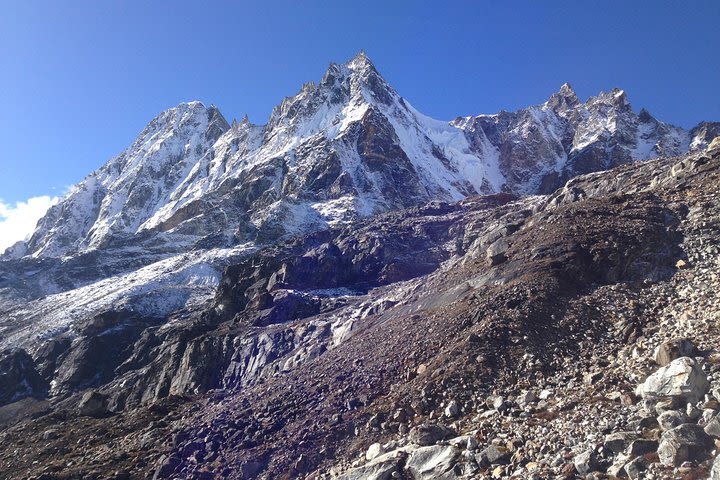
x=18 y=222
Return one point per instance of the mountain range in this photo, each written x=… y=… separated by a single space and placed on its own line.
x=154 y=226
x=345 y=272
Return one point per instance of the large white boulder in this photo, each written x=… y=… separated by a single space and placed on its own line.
x=682 y=378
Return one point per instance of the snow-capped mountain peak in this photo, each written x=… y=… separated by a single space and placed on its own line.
x=344 y=147
x=564 y=99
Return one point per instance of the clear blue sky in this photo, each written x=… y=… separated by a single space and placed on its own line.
x=80 y=79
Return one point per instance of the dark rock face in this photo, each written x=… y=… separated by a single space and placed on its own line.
x=19 y=377
x=102 y=345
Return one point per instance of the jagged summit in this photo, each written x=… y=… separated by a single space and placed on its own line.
x=564 y=99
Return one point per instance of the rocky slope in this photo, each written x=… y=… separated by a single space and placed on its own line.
x=561 y=336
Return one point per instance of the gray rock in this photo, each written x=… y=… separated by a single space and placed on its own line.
x=713 y=427
x=493 y=455
x=671 y=419
x=682 y=378
x=496 y=253
x=433 y=462
x=586 y=462
x=495 y=402
x=672 y=350
x=374 y=451
x=380 y=470
x=618 y=441
x=715 y=473
x=683 y=443
x=635 y=467
x=93 y=404
x=641 y=446
x=617 y=469
x=453 y=409
x=429 y=434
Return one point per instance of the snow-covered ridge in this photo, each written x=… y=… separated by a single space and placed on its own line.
x=348 y=146
x=189 y=174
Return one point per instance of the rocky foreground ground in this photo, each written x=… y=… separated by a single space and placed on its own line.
x=573 y=335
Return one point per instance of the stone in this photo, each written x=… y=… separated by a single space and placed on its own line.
x=382 y=468
x=93 y=404
x=526 y=398
x=374 y=451
x=715 y=472
x=682 y=378
x=467 y=442
x=586 y=462
x=495 y=402
x=672 y=350
x=435 y=461
x=682 y=443
x=50 y=434
x=429 y=434
x=591 y=378
x=634 y=468
x=617 y=469
x=453 y=409
x=166 y=466
x=641 y=446
x=618 y=441
x=665 y=405
x=671 y=419
x=713 y=427
x=496 y=253
x=493 y=455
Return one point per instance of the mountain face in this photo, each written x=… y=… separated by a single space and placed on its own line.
x=469 y=339
x=230 y=300
x=155 y=226
x=153 y=229
x=345 y=148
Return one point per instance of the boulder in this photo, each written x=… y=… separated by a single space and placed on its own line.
x=586 y=462
x=493 y=455
x=713 y=427
x=618 y=441
x=430 y=434
x=682 y=378
x=496 y=253
x=495 y=402
x=634 y=468
x=715 y=472
x=672 y=350
x=374 y=451
x=453 y=409
x=683 y=443
x=377 y=470
x=641 y=446
x=671 y=419
x=433 y=462
x=93 y=404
